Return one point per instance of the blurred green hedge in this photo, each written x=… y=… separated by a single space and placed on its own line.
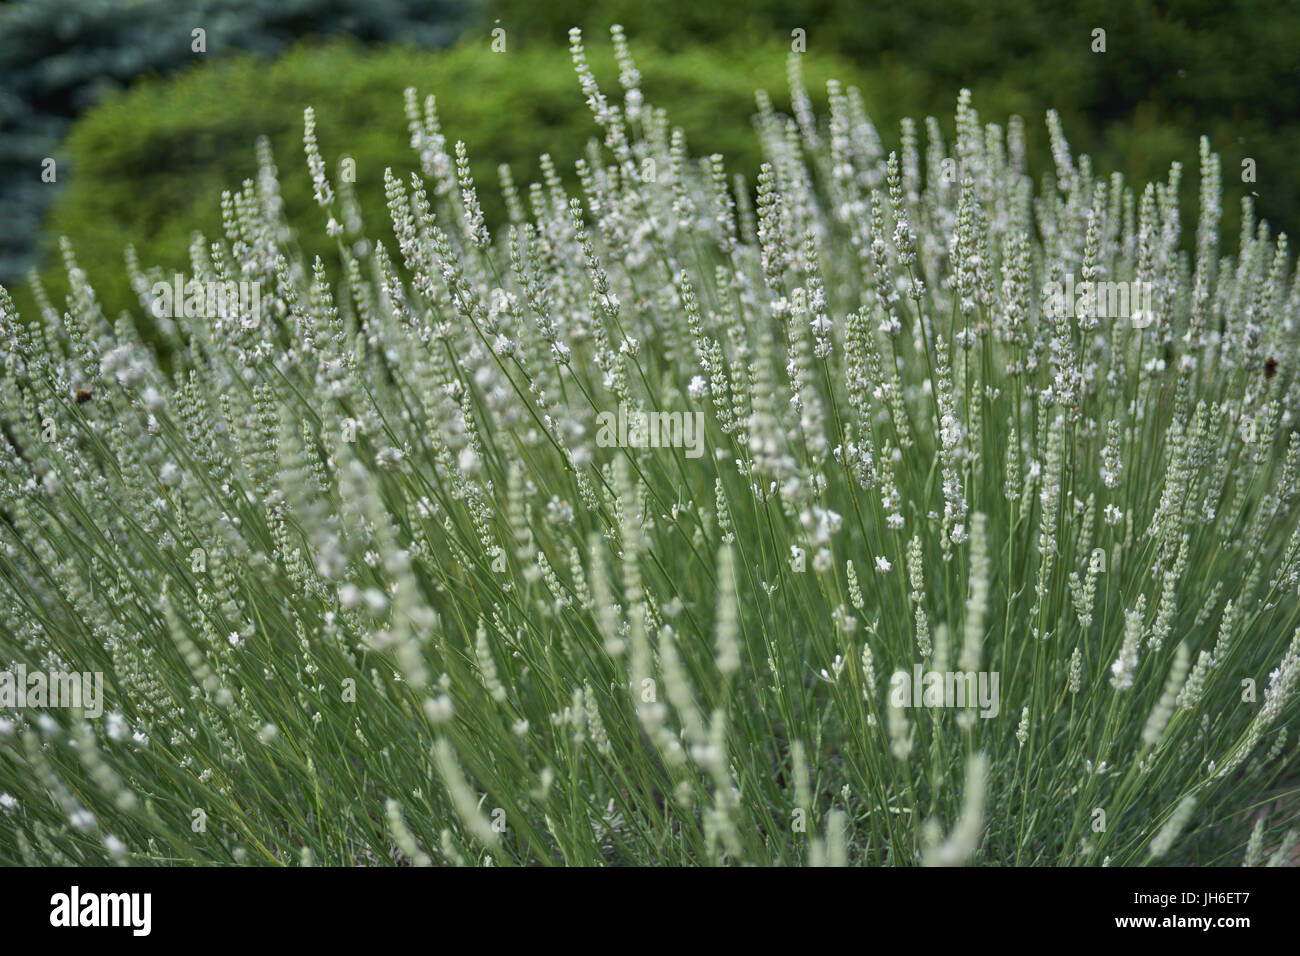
x=148 y=167
x=1172 y=70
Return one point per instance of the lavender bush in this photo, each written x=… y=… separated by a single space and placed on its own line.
x=413 y=557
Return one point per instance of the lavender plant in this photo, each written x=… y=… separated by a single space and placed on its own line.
x=371 y=578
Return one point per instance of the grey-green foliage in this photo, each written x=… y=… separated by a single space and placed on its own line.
x=442 y=611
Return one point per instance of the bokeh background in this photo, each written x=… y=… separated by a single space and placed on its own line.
x=145 y=132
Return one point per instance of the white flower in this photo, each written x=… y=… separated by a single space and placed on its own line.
x=1122 y=670
x=559 y=512
x=697 y=388
x=439 y=709
x=375 y=600
x=882 y=565
x=7 y=803
x=950 y=430
x=468 y=460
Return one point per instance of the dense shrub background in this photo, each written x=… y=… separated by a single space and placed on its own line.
x=151 y=165
x=147 y=166
x=59 y=57
x=1172 y=70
